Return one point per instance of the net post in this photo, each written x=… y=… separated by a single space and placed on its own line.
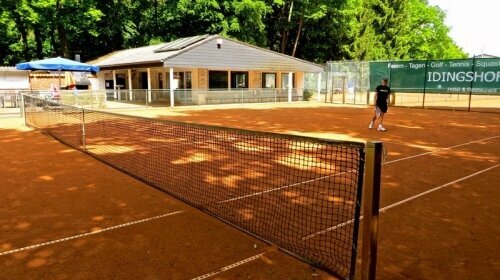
x=371 y=203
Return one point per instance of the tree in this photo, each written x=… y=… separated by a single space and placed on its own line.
x=316 y=30
x=400 y=29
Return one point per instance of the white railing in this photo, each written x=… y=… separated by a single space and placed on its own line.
x=9 y=99
x=124 y=98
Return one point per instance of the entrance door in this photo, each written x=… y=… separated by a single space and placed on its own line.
x=144 y=80
x=110 y=94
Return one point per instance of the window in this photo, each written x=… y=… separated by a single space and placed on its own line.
x=182 y=79
x=217 y=79
x=239 y=79
x=179 y=76
x=284 y=80
x=120 y=81
x=268 y=80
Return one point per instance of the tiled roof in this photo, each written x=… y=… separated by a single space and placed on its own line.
x=203 y=51
x=148 y=54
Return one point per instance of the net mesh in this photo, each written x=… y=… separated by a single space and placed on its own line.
x=301 y=194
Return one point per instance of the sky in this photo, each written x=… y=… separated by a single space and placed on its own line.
x=475 y=25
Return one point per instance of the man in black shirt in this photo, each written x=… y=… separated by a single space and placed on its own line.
x=381 y=103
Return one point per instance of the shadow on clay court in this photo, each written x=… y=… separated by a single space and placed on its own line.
x=57 y=192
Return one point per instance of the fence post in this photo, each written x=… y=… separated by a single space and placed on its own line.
x=344 y=85
x=171 y=85
x=371 y=203
x=92 y=100
x=425 y=83
x=23 y=109
x=472 y=81
x=319 y=86
x=84 y=140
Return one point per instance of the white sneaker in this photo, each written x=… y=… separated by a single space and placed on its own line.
x=370 y=126
x=381 y=128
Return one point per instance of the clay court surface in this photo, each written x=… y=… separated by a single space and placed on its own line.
x=440 y=202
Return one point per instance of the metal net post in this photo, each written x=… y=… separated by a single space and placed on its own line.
x=371 y=203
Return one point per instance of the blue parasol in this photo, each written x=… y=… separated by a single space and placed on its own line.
x=57 y=64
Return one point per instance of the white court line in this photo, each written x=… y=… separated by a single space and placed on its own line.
x=324 y=177
x=441 y=149
x=283 y=187
x=87 y=234
x=231 y=266
x=383 y=209
x=437 y=188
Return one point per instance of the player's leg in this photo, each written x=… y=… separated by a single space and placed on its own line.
x=380 y=126
x=373 y=120
x=375 y=116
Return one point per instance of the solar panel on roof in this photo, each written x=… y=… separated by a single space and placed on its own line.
x=180 y=43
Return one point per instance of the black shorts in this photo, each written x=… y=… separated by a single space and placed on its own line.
x=382 y=107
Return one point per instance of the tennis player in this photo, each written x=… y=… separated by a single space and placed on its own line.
x=382 y=93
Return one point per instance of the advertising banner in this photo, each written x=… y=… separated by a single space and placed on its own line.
x=480 y=75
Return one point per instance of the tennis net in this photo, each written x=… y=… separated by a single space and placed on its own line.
x=299 y=193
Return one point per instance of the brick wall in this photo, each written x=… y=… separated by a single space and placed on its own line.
x=202 y=78
x=255 y=79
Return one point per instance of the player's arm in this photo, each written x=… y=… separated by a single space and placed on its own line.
x=376 y=96
x=388 y=97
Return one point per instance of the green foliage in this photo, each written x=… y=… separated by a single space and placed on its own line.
x=316 y=30
x=399 y=29
x=307 y=94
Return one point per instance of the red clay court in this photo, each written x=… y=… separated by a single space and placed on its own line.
x=67 y=215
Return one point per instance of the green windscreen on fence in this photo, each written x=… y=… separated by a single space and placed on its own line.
x=479 y=75
x=300 y=193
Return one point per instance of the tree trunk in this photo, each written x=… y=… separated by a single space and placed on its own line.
x=286 y=32
x=299 y=31
x=24 y=33
x=39 y=41
x=61 y=31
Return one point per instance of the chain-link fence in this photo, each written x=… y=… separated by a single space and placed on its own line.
x=10 y=101
x=348 y=82
x=345 y=82
x=462 y=84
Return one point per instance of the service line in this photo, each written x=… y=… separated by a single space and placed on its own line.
x=87 y=234
x=226 y=268
x=383 y=209
x=352 y=170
